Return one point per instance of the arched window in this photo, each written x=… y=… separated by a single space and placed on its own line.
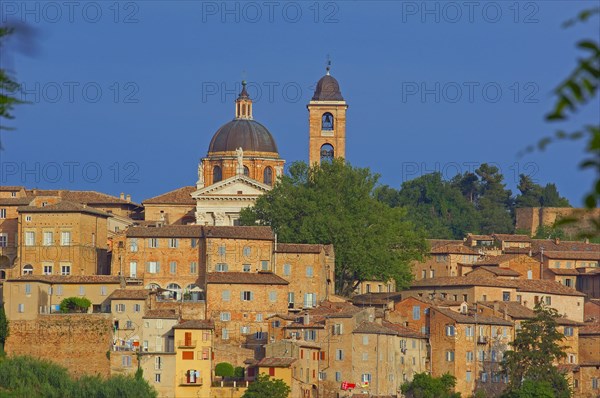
x=268 y=176
x=192 y=292
x=174 y=290
x=246 y=171
x=217 y=176
x=28 y=269
x=327 y=153
x=327 y=121
x=2 y=274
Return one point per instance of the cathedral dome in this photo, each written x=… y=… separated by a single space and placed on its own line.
x=328 y=89
x=248 y=134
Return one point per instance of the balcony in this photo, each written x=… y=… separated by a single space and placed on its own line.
x=186 y=343
x=482 y=340
x=184 y=381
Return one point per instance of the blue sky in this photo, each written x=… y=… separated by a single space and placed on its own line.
x=125 y=97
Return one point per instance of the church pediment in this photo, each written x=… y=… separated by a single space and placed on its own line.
x=233 y=186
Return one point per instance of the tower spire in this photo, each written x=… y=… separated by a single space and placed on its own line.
x=243 y=104
x=328 y=67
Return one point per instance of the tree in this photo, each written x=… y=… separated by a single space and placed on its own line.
x=495 y=201
x=8 y=87
x=4 y=329
x=531 y=389
x=333 y=204
x=22 y=377
x=224 y=369
x=534 y=195
x=424 y=385
x=75 y=304
x=534 y=354
x=265 y=387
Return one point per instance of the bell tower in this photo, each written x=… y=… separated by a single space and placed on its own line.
x=326 y=121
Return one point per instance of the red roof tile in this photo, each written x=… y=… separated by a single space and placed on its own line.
x=245 y=278
x=276 y=362
x=64 y=207
x=179 y=196
x=196 y=324
x=70 y=279
x=129 y=294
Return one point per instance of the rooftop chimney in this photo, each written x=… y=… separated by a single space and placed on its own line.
x=128 y=198
x=122 y=196
x=557 y=240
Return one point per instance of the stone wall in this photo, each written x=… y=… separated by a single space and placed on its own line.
x=531 y=218
x=78 y=342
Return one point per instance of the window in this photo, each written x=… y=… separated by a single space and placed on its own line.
x=2 y=213
x=59 y=290
x=272 y=297
x=173 y=243
x=126 y=361
x=568 y=331
x=82 y=290
x=217 y=176
x=48 y=238
x=65 y=238
x=194 y=242
x=365 y=339
x=268 y=175
x=159 y=325
x=310 y=335
x=29 y=238
x=221 y=267
x=327 y=122
x=187 y=355
x=173 y=267
x=519 y=298
x=137 y=308
x=193 y=267
x=222 y=250
x=28 y=288
x=152 y=243
x=468 y=377
x=338 y=329
x=450 y=356
x=310 y=299
x=568 y=264
x=264 y=265
x=21 y=308
x=450 y=330
x=225 y=295
x=3 y=240
x=416 y=312
x=259 y=317
x=129 y=325
x=287 y=269
x=225 y=334
x=133 y=245
x=366 y=377
x=103 y=291
x=65 y=269
x=568 y=282
x=470 y=356
x=322 y=375
x=153 y=267
x=28 y=218
x=247 y=251
x=247 y=295
x=505 y=296
x=338 y=376
x=469 y=331
x=225 y=316
x=246 y=267
x=47 y=269
x=157 y=378
x=484 y=377
x=424 y=274
x=365 y=356
x=595 y=383
x=120 y=307
x=548 y=300
x=339 y=355
x=291 y=298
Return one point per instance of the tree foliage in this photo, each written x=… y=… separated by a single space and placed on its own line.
x=264 y=387
x=531 y=389
x=24 y=377
x=424 y=385
x=4 y=328
x=535 y=351
x=75 y=304
x=224 y=369
x=534 y=195
x=334 y=204
x=8 y=86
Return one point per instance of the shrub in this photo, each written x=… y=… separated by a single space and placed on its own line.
x=224 y=369
x=75 y=304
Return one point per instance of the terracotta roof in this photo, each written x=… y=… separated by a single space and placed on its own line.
x=497 y=260
x=472 y=318
x=518 y=311
x=161 y=314
x=245 y=278
x=403 y=331
x=276 y=362
x=480 y=237
x=374 y=328
x=84 y=197
x=563 y=245
x=439 y=242
x=512 y=237
x=499 y=271
x=298 y=248
x=15 y=201
x=562 y=271
x=376 y=298
x=64 y=207
x=129 y=294
x=179 y=196
x=590 y=329
x=573 y=255
x=545 y=286
x=167 y=231
x=517 y=250
x=286 y=317
x=196 y=324
x=452 y=248
x=69 y=279
x=10 y=188
x=239 y=232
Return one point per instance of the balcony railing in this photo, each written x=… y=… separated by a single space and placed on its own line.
x=186 y=343
x=185 y=382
